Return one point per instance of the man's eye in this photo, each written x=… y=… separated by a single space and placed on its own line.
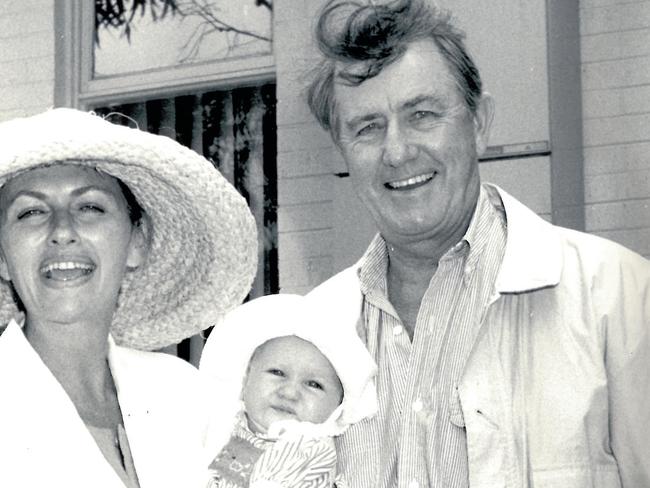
x=315 y=384
x=30 y=212
x=275 y=372
x=424 y=114
x=368 y=129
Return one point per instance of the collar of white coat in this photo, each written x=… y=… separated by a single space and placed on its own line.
x=22 y=347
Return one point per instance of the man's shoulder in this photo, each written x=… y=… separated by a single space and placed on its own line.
x=599 y=251
x=344 y=283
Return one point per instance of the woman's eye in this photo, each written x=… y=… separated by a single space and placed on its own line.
x=30 y=212
x=91 y=208
x=276 y=372
x=315 y=384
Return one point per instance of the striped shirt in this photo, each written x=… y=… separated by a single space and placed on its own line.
x=418 y=437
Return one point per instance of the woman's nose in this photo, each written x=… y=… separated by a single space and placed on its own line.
x=63 y=230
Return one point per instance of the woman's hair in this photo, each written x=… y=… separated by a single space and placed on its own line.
x=358 y=40
x=132 y=205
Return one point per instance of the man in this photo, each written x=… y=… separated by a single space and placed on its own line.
x=511 y=352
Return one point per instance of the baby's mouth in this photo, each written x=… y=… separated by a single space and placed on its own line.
x=284 y=410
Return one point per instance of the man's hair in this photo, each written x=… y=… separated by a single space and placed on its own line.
x=359 y=39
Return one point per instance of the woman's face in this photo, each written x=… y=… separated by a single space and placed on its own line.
x=66 y=241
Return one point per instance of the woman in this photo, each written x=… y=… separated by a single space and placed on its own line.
x=113 y=242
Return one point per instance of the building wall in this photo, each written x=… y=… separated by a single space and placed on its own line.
x=26 y=57
x=615 y=49
x=306 y=156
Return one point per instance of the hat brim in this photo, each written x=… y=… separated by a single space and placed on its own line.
x=203 y=252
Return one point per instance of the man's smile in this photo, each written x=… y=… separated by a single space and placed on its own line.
x=410 y=183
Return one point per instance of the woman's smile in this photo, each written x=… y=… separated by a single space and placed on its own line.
x=67 y=271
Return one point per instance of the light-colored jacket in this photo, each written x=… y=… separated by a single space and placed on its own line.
x=44 y=442
x=556 y=392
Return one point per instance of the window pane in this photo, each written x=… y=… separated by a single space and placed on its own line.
x=142 y=35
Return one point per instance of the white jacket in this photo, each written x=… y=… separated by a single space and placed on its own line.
x=556 y=392
x=44 y=442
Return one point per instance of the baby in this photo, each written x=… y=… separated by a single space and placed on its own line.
x=289 y=381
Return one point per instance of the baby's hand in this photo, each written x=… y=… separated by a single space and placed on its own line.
x=296 y=462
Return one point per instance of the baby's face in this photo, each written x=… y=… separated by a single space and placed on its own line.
x=289 y=378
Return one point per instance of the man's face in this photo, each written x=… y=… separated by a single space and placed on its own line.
x=411 y=145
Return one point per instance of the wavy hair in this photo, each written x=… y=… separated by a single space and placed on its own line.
x=359 y=39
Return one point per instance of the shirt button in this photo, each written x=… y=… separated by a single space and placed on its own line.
x=417 y=406
x=397 y=330
x=414 y=484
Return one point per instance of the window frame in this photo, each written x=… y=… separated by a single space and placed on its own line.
x=74 y=86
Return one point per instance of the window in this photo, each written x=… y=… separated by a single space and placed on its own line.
x=198 y=71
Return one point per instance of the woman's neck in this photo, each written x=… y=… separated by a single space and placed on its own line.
x=77 y=356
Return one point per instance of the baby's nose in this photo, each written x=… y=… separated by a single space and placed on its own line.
x=289 y=390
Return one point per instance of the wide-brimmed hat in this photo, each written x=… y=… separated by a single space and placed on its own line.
x=203 y=250
x=233 y=341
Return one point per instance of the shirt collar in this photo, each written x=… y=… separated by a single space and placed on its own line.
x=374 y=264
x=532 y=258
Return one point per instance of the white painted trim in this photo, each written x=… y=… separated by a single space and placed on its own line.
x=74 y=86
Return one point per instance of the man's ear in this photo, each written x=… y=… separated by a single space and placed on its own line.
x=139 y=244
x=483 y=122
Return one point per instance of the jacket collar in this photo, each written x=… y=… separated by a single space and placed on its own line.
x=533 y=254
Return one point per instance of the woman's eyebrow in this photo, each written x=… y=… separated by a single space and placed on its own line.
x=85 y=189
x=27 y=193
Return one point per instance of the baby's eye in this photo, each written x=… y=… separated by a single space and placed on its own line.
x=29 y=212
x=275 y=372
x=315 y=384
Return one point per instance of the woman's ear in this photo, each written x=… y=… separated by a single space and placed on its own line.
x=139 y=244
x=4 y=268
x=483 y=122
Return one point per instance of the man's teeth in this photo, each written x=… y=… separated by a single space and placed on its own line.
x=65 y=266
x=411 y=181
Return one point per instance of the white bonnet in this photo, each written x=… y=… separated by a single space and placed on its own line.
x=231 y=344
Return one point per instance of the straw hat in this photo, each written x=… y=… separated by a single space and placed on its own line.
x=233 y=341
x=203 y=252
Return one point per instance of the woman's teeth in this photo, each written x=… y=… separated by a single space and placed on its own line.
x=66 y=270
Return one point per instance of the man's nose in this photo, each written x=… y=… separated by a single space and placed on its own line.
x=62 y=228
x=398 y=149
